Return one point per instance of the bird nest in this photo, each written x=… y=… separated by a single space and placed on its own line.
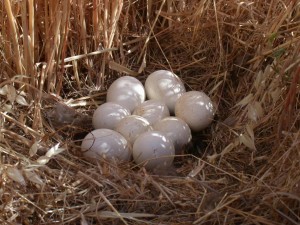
x=57 y=60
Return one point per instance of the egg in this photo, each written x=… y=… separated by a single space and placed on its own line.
x=152 y=111
x=107 y=144
x=127 y=91
x=165 y=86
x=176 y=130
x=108 y=115
x=153 y=150
x=196 y=109
x=132 y=126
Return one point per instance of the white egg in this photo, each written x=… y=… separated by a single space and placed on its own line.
x=165 y=86
x=127 y=91
x=175 y=129
x=196 y=109
x=107 y=144
x=152 y=111
x=108 y=115
x=132 y=126
x=154 y=150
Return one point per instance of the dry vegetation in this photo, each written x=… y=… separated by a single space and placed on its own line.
x=57 y=59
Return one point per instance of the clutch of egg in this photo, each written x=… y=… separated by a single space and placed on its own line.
x=150 y=132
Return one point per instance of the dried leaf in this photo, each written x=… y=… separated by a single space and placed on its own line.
x=3 y=90
x=33 y=177
x=255 y=111
x=259 y=109
x=275 y=95
x=247 y=141
x=269 y=70
x=259 y=80
x=196 y=170
x=245 y=101
x=275 y=83
x=250 y=131
x=11 y=93
x=23 y=93
x=227 y=149
x=21 y=100
x=54 y=151
x=16 y=175
x=212 y=158
x=252 y=113
x=262 y=76
x=33 y=149
x=7 y=108
x=43 y=160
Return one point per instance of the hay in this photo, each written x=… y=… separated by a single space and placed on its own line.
x=58 y=58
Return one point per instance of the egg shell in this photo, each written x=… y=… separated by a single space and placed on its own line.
x=107 y=144
x=154 y=150
x=196 y=109
x=175 y=129
x=152 y=111
x=108 y=115
x=165 y=86
x=127 y=91
x=132 y=126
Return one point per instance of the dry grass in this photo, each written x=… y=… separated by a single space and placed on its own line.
x=57 y=59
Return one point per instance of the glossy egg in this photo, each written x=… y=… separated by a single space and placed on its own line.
x=152 y=111
x=175 y=129
x=105 y=144
x=153 y=150
x=132 y=126
x=165 y=86
x=196 y=109
x=127 y=91
x=108 y=115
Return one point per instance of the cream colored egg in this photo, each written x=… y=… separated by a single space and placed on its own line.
x=152 y=111
x=127 y=91
x=108 y=115
x=132 y=126
x=154 y=150
x=196 y=109
x=165 y=86
x=107 y=144
x=175 y=129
